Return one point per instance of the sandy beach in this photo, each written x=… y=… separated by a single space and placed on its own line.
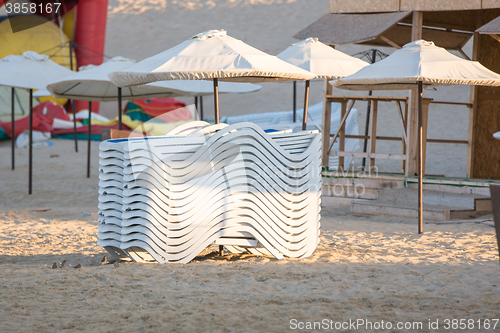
x=371 y=269
x=364 y=268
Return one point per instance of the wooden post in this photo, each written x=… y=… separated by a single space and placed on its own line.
x=216 y=100
x=327 y=115
x=469 y=169
x=425 y=117
x=373 y=133
x=306 y=105
x=412 y=130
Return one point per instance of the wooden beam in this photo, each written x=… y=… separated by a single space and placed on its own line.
x=371 y=156
x=401 y=117
x=463 y=54
x=390 y=42
x=495 y=36
x=342 y=122
x=405 y=144
x=469 y=169
x=340 y=98
x=469 y=105
x=327 y=115
x=373 y=133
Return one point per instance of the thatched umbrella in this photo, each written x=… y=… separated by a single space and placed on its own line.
x=419 y=64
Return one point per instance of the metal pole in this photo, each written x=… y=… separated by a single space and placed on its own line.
x=294 y=101
x=88 y=140
x=72 y=102
x=201 y=107
x=196 y=103
x=119 y=108
x=74 y=124
x=306 y=104
x=13 y=128
x=368 y=108
x=31 y=143
x=216 y=100
x=420 y=162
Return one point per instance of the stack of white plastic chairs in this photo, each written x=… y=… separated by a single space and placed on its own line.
x=284 y=119
x=165 y=199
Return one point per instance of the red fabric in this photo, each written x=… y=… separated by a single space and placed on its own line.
x=51 y=110
x=154 y=107
x=40 y=123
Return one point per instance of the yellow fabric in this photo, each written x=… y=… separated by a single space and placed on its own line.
x=45 y=37
x=151 y=128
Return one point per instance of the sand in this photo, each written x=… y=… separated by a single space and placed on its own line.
x=374 y=269
x=364 y=268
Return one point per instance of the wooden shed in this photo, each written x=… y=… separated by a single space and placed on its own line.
x=449 y=24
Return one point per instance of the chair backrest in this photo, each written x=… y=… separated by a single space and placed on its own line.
x=495 y=203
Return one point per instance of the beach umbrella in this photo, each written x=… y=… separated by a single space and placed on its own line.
x=321 y=60
x=29 y=71
x=92 y=84
x=419 y=64
x=212 y=55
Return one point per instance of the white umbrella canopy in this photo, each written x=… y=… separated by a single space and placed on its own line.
x=419 y=61
x=419 y=64
x=91 y=83
x=210 y=55
x=321 y=59
x=29 y=71
x=195 y=88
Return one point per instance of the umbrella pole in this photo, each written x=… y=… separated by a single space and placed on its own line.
x=88 y=140
x=306 y=104
x=294 y=101
x=13 y=127
x=201 y=107
x=196 y=103
x=31 y=143
x=420 y=162
x=74 y=124
x=119 y=108
x=216 y=100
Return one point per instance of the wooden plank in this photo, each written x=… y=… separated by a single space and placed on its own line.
x=373 y=134
x=483 y=205
x=343 y=111
x=405 y=144
x=387 y=138
x=327 y=113
x=469 y=169
x=495 y=37
x=469 y=105
x=390 y=42
x=448 y=141
x=342 y=122
x=359 y=192
x=368 y=155
x=339 y=98
x=336 y=201
x=107 y=134
x=362 y=209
